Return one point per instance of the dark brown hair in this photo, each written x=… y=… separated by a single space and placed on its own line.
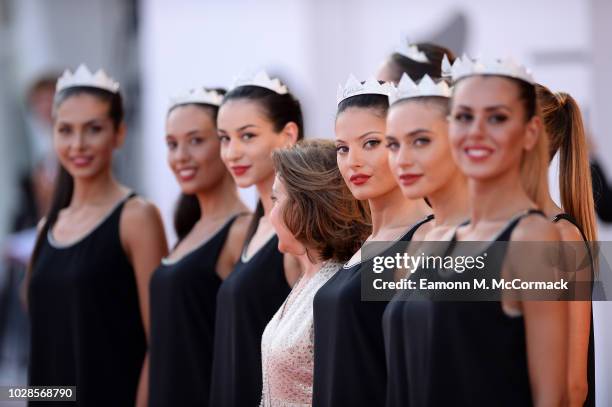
x=415 y=69
x=280 y=110
x=187 y=210
x=320 y=210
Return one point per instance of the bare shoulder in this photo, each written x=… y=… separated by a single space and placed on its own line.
x=535 y=228
x=141 y=227
x=140 y=219
x=568 y=231
x=138 y=208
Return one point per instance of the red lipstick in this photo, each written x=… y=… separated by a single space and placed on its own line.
x=359 y=179
x=239 y=170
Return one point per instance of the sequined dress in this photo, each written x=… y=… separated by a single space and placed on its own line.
x=287 y=345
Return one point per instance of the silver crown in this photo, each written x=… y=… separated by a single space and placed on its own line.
x=83 y=77
x=370 y=87
x=262 y=80
x=198 y=95
x=465 y=66
x=412 y=51
x=407 y=88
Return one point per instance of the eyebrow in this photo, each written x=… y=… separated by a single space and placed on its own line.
x=412 y=133
x=246 y=126
x=96 y=120
x=488 y=108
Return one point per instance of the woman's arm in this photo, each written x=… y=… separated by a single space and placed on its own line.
x=546 y=324
x=144 y=240
x=579 y=326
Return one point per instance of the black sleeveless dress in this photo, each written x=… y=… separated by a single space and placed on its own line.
x=590 y=400
x=86 y=326
x=246 y=302
x=349 y=353
x=449 y=353
x=183 y=303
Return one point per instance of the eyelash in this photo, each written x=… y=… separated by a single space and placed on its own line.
x=370 y=144
x=498 y=118
x=421 y=141
x=493 y=119
x=392 y=145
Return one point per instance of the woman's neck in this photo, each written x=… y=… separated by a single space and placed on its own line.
x=220 y=201
x=264 y=190
x=497 y=198
x=450 y=203
x=393 y=210
x=309 y=267
x=94 y=190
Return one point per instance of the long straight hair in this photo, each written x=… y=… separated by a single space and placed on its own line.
x=64 y=183
x=565 y=129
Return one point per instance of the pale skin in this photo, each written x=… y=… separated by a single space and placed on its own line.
x=193 y=157
x=489 y=134
x=287 y=243
x=360 y=150
x=421 y=161
x=84 y=139
x=248 y=139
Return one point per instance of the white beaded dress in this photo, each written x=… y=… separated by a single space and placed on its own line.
x=287 y=345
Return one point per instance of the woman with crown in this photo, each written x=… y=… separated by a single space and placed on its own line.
x=349 y=364
x=512 y=351
x=88 y=283
x=257 y=116
x=422 y=163
x=575 y=219
x=210 y=230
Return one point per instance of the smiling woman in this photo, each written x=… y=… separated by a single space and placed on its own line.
x=515 y=350
x=211 y=230
x=88 y=281
x=256 y=118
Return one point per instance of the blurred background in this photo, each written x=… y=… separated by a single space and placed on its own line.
x=157 y=48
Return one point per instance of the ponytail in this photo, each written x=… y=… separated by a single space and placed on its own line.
x=563 y=123
x=186 y=215
x=575 y=181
